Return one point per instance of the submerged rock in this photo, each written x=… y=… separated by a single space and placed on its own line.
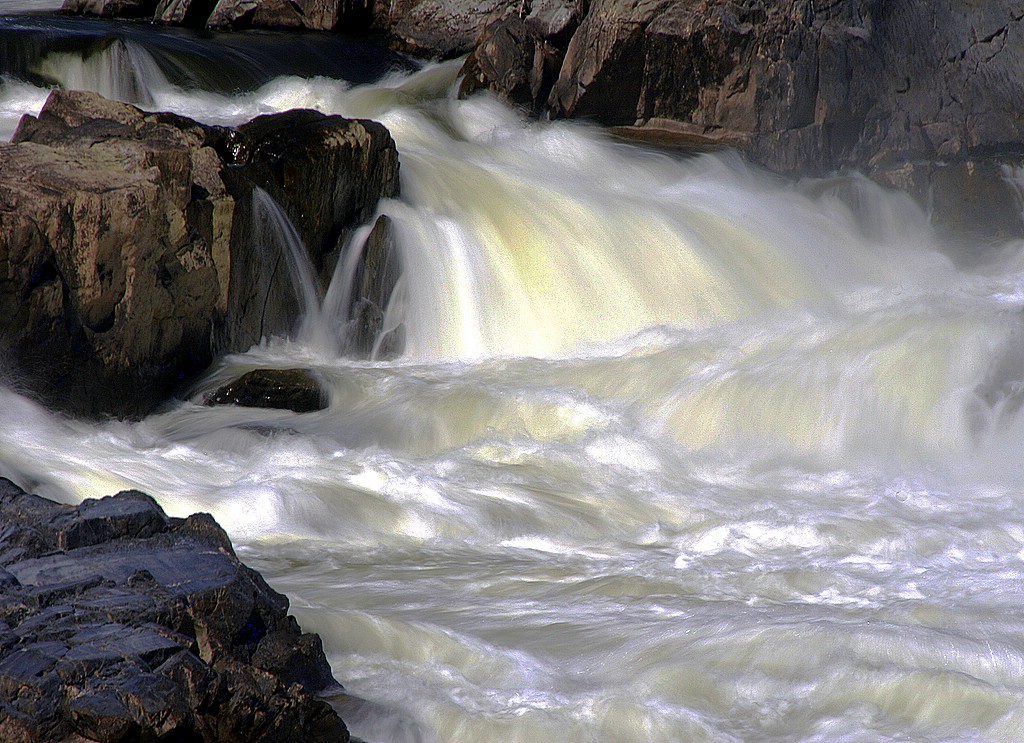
x=118 y=623
x=127 y=255
x=286 y=389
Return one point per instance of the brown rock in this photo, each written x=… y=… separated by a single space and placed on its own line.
x=127 y=256
x=441 y=28
x=320 y=15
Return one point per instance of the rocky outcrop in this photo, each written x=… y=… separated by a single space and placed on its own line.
x=320 y=15
x=112 y=226
x=118 y=623
x=126 y=254
x=297 y=390
x=920 y=95
x=804 y=85
x=436 y=28
x=111 y=8
x=327 y=174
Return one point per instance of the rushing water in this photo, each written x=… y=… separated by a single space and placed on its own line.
x=676 y=451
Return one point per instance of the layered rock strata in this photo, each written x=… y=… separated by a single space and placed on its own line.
x=118 y=623
x=127 y=254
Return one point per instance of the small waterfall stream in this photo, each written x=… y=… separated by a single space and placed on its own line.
x=674 y=451
x=274 y=231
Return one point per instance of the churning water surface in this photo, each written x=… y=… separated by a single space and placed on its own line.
x=676 y=451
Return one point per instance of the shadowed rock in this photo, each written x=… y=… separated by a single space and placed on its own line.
x=287 y=389
x=117 y=623
x=374 y=283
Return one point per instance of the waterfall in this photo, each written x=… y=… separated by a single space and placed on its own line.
x=114 y=68
x=674 y=450
x=280 y=241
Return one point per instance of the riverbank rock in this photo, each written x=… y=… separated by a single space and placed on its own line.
x=297 y=390
x=804 y=85
x=118 y=623
x=128 y=256
x=801 y=87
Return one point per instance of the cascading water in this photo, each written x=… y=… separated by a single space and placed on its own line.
x=280 y=241
x=676 y=451
x=116 y=69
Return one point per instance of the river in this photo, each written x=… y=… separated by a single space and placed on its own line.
x=676 y=451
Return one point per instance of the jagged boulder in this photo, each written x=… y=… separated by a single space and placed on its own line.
x=127 y=258
x=376 y=278
x=119 y=623
x=319 y=15
x=112 y=224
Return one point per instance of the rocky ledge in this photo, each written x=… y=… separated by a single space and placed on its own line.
x=118 y=623
x=133 y=245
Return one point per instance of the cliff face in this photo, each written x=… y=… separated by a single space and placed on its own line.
x=127 y=259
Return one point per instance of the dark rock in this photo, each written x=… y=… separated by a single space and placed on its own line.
x=287 y=389
x=149 y=630
x=327 y=174
x=375 y=279
x=193 y=13
x=129 y=514
x=126 y=251
x=515 y=62
x=319 y=15
x=111 y=8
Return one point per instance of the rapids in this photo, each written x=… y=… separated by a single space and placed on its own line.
x=677 y=450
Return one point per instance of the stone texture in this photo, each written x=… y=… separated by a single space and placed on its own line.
x=111 y=8
x=147 y=629
x=327 y=173
x=804 y=85
x=320 y=15
x=127 y=258
x=111 y=226
x=288 y=389
x=514 y=61
x=376 y=277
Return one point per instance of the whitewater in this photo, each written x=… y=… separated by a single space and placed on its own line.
x=676 y=450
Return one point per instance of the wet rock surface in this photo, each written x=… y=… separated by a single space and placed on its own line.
x=376 y=278
x=287 y=389
x=127 y=254
x=118 y=623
